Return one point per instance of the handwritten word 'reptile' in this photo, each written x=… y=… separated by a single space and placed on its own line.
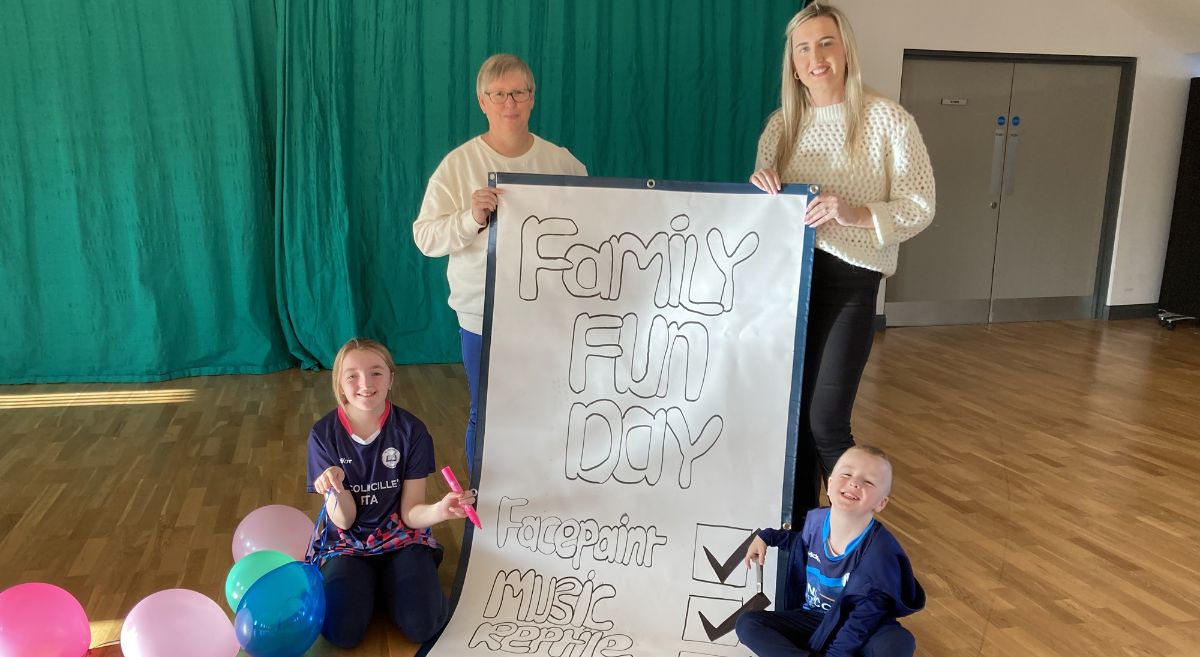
x=572 y=539
x=551 y=641
x=632 y=445
x=599 y=271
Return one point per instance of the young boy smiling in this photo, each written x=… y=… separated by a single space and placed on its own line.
x=855 y=577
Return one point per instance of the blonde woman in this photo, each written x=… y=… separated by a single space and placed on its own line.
x=877 y=191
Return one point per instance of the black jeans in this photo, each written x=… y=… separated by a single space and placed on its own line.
x=841 y=318
x=786 y=634
x=405 y=581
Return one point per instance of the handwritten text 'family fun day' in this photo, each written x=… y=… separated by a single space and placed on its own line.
x=647 y=359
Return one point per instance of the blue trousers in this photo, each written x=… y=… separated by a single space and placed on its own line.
x=786 y=634
x=404 y=581
x=472 y=345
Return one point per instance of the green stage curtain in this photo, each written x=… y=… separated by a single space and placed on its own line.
x=137 y=190
x=209 y=187
x=376 y=93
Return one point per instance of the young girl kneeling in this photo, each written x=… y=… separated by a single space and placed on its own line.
x=375 y=457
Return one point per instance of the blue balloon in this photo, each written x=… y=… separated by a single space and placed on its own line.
x=281 y=614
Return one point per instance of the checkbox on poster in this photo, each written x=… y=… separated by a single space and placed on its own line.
x=711 y=620
x=716 y=611
x=720 y=553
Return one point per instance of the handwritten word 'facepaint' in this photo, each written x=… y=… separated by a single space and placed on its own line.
x=591 y=271
x=571 y=539
x=603 y=443
x=550 y=641
x=642 y=367
x=556 y=600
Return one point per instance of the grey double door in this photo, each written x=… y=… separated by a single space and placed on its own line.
x=1021 y=156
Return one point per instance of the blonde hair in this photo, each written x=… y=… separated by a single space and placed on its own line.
x=499 y=65
x=795 y=103
x=358 y=344
x=882 y=456
x=872 y=450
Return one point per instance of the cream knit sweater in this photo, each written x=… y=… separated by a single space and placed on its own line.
x=445 y=225
x=890 y=175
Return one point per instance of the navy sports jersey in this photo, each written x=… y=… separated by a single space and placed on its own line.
x=827 y=575
x=876 y=581
x=375 y=475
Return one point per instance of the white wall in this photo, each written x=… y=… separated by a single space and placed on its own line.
x=1065 y=27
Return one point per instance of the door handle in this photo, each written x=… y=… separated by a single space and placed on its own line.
x=998 y=154
x=1010 y=155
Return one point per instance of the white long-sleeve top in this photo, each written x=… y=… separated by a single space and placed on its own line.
x=445 y=225
x=890 y=175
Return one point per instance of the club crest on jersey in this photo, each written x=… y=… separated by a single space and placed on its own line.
x=391 y=457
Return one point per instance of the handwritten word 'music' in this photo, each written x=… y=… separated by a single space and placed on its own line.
x=599 y=271
x=570 y=538
x=554 y=616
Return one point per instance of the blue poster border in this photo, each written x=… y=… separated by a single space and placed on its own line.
x=475 y=461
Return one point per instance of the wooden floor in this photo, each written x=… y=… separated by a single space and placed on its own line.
x=1047 y=482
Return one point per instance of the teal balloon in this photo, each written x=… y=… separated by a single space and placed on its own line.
x=282 y=613
x=248 y=570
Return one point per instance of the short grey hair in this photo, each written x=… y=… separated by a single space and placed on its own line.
x=499 y=65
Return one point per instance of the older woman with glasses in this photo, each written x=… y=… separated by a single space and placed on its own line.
x=454 y=215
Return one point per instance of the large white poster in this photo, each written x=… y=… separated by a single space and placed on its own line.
x=641 y=371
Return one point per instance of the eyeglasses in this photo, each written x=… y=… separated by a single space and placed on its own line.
x=500 y=97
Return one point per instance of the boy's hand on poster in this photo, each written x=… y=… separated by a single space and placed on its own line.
x=756 y=553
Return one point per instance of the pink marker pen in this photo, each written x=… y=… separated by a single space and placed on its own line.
x=454 y=486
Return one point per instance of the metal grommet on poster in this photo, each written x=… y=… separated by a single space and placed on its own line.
x=815 y=190
x=650 y=184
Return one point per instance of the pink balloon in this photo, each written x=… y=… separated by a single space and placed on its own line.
x=178 y=623
x=273 y=527
x=42 y=620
